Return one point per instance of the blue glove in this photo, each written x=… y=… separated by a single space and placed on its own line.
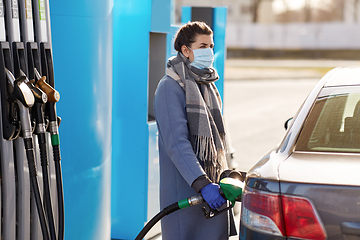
x=212 y=196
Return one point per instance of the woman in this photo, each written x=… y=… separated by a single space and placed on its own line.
x=191 y=138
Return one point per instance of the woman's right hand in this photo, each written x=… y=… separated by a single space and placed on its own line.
x=212 y=195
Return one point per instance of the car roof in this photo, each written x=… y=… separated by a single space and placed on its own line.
x=344 y=76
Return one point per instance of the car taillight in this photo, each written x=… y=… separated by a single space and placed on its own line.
x=301 y=219
x=262 y=212
x=281 y=215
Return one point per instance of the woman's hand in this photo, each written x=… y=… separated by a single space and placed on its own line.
x=212 y=195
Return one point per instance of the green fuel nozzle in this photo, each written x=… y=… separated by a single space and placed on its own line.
x=231 y=190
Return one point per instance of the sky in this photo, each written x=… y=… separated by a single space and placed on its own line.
x=280 y=6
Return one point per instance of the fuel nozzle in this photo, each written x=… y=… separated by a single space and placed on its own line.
x=53 y=95
x=21 y=90
x=40 y=96
x=232 y=189
x=231 y=184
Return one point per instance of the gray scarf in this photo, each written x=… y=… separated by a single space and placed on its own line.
x=203 y=108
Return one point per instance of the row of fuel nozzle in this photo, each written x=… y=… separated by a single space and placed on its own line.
x=30 y=91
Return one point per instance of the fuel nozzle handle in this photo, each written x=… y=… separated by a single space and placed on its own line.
x=52 y=94
x=21 y=91
x=230 y=189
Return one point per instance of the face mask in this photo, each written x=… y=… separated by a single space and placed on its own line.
x=203 y=58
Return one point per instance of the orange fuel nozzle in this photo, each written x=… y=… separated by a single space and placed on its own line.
x=53 y=95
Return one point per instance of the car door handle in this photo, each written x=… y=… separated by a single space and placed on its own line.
x=350 y=228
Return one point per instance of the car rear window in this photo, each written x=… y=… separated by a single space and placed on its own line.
x=333 y=124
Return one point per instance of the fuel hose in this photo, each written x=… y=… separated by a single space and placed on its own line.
x=44 y=166
x=187 y=202
x=35 y=186
x=53 y=97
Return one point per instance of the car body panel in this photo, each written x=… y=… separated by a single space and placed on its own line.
x=264 y=169
x=322 y=168
x=344 y=76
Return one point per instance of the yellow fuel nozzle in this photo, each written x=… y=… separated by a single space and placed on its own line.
x=53 y=95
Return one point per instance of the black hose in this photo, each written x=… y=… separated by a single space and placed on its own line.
x=47 y=194
x=166 y=211
x=35 y=186
x=60 y=192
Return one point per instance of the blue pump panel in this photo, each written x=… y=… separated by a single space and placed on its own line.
x=160 y=15
x=185 y=14
x=130 y=132
x=139 y=56
x=82 y=54
x=219 y=28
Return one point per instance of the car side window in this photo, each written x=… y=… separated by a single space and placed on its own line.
x=333 y=124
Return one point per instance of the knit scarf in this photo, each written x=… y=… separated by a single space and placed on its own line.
x=203 y=108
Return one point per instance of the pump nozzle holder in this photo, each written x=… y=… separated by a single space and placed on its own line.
x=53 y=95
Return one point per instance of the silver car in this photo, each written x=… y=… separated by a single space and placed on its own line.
x=308 y=187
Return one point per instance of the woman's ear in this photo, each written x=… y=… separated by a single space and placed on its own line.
x=185 y=50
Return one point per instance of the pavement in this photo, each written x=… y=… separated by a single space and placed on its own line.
x=259 y=69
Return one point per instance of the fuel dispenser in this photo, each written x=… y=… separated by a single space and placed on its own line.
x=25 y=189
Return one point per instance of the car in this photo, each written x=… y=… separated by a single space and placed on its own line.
x=308 y=186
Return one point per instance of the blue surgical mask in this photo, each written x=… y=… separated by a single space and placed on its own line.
x=203 y=58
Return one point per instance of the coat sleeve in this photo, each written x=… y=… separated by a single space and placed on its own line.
x=171 y=119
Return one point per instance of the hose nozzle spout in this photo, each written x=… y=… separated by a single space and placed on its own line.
x=53 y=95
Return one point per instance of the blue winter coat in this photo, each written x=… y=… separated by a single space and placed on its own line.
x=179 y=168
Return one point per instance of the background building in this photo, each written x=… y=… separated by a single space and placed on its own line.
x=299 y=28
x=281 y=11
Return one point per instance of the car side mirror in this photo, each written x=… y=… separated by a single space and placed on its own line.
x=287 y=123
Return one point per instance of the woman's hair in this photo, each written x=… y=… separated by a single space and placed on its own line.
x=187 y=34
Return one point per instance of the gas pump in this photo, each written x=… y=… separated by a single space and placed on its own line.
x=18 y=84
x=22 y=102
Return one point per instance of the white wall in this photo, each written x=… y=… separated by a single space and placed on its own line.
x=294 y=36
